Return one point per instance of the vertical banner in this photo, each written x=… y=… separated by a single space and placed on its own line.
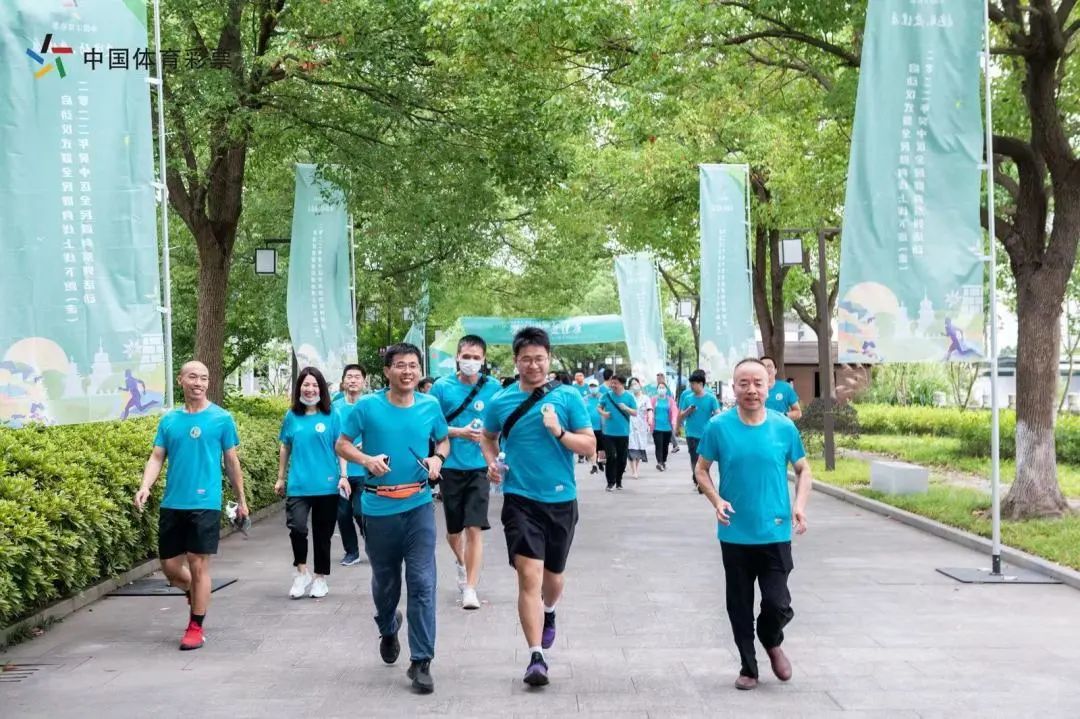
x=726 y=318
x=639 y=300
x=321 y=322
x=911 y=274
x=80 y=325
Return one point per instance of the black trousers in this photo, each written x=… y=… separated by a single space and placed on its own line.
x=323 y=510
x=691 y=444
x=617 y=450
x=769 y=565
x=661 y=442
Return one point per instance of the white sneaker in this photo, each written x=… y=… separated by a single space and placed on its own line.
x=300 y=585
x=469 y=600
x=319 y=588
x=462 y=576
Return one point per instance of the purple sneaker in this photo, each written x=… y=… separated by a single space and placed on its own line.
x=536 y=675
x=548 y=637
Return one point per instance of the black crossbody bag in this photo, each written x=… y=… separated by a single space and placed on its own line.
x=468 y=400
x=537 y=394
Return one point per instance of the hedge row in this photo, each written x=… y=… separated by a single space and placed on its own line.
x=971 y=427
x=66 y=516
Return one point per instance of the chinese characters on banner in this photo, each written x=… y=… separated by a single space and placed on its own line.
x=320 y=315
x=639 y=301
x=726 y=320
x=80 y=325
x=911 y=272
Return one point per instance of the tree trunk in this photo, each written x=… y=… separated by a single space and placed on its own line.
x=1036 y=493
x=210 y=320
x=768 y=278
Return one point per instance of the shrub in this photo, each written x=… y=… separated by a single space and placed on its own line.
x=971 y=427
x=845 y=419
x=66 y=513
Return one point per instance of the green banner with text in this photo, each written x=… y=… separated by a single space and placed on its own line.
x=80 y=318
x=911 y=269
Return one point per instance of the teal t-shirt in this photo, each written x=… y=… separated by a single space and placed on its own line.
x=753 y=462
x=583 y=389
x=451 y=392
x=383 y=428
x=662 y=415
x=706 y=405
x=342 y=408
x=194 y=444
x=781 y=397
x=313 y=465
x=592 y=403
x=541 y=468
x=618 y=424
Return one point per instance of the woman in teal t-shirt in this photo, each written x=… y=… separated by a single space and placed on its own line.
x=308 y=433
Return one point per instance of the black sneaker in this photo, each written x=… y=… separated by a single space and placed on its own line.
x=389 y=646
x=548 y=637
x=594 y=469
x=420 y=673
x=536 y=674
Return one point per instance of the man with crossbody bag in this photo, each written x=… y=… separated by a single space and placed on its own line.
x=464 y=398
x=617 y=407
x=394 y=429
x=541 y=426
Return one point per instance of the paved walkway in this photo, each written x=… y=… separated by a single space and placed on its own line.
x=642 y=632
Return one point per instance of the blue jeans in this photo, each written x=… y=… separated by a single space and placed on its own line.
x=348 y=512
x=407 y=537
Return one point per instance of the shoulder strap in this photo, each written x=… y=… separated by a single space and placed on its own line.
x=619 y=409
x=537 y=395
x=468 y=400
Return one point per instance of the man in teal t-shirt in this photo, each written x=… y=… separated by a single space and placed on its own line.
x=753 y=447
x=782 y=396
x=540 y=497
x=696 y=408
x=394 y=428
x=616 y=408
x=195 y=439
x=464 y=398
x=350 y=516
x=592 y=404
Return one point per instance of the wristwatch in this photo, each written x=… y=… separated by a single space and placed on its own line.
x=562 y=433
x=441 y=458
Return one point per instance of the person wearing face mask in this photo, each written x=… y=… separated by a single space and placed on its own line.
x=639 y=429
x=592 y=403
x=664 y=417
x=464 y=398
x=311 y=486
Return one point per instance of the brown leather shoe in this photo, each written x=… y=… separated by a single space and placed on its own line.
x=745 y=683
x=781 y=666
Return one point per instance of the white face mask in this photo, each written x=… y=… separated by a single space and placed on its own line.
x=470 y=368
x=309 y=402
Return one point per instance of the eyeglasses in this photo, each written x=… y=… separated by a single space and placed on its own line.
x=533 y=360
x=402 y=367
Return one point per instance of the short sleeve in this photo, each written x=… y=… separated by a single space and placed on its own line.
x=715 y=404
x=795 y=445
x=632 y=404
x=579 y=413
x=684 y=401
x=439 y=428
x=285 y=435
x=229 y=437
x=793 y=396
x=492 y=423
x=162 y=432
x=335 y=424
x=709 y=446
x=352 y=424
x=436 y=391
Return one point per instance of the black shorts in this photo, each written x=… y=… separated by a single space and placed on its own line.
x=539 y=530
x=465 y=499
x=188 y=530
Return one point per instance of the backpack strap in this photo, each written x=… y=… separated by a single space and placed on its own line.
x=537 y=394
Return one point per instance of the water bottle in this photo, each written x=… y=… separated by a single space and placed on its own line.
x=503 y=467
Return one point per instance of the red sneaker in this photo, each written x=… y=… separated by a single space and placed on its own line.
x=193 y=637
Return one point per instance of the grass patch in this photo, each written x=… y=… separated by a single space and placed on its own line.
x=947 y=453
x=1056 y=540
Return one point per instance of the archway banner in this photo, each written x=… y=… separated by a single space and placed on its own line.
x=583 y=330
x=80 y=295
x=911 y=267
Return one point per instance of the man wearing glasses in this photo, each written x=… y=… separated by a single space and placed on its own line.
x=541 y=426
x=394 y=429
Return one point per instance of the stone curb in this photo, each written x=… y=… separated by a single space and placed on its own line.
x=1015 y=557
x=66 y=607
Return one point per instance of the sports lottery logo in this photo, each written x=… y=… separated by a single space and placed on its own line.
x=479 y=406
x=195 y=433
x=39 y=58
x=320 y=428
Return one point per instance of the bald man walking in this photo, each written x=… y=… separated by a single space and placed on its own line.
x=194 y=439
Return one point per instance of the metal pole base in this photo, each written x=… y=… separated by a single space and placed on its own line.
x=969 y=575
